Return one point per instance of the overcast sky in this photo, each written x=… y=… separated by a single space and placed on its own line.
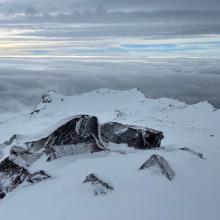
x=104 y=10
x=57 y=5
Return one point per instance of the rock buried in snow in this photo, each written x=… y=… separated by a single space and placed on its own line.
x=100 y=187
x=23 y=157
x=37 y=177
x=161 y=163
x=133 y=136
x=193 y=152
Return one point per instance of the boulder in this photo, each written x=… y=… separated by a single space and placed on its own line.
x=161 y=163
x=82 y=129
x=133 y=136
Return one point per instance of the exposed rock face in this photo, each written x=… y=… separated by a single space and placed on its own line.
x=100 y=187
x=81 y=129
x=161 y=163
x=83 y=134
x=137 y=137
x=192 y=152
x=12 y=175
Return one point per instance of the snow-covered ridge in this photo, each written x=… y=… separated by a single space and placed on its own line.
x=137 y=194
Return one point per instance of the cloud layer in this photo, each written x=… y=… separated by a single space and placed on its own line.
x=109 y=11
x=192 y=81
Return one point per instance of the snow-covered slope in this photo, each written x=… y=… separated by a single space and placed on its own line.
x=193 y=194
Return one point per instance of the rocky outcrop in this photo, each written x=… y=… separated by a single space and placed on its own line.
x=161 y=163
x=100 y=187
x=82 y=129
x=133 y=136
x=82 y=134
x=12 y=175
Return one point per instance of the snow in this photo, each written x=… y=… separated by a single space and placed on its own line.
x=193 y=194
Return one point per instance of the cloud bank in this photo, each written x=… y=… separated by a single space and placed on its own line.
x=22 y=84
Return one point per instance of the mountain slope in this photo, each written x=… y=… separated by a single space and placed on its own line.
x=145 y=194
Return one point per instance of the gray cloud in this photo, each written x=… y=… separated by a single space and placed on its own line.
x=66 y=5
x=110 y=11
x=21 y=87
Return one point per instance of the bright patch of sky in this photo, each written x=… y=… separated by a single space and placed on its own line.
x=93 y=41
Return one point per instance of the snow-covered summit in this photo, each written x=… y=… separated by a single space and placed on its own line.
x=145 y=194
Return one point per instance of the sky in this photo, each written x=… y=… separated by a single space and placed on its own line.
x=167 y=48
x=109 y=10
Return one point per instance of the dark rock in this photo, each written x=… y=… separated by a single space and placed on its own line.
x=133 y=136
x=35 y=111
x=46 y=98
x=37 y=177
x=101 y=187
x=193 y=152
x=83 y=134
x=161 y=163
x=2 y=195
x=81 y=129
x=13 y=173
x=10 y=141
